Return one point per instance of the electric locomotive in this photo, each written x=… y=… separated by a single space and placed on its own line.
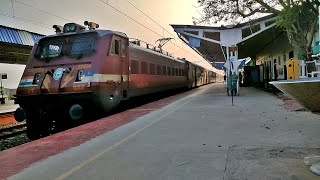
x=79 y=69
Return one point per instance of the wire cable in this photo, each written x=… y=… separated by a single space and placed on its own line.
x=159 y=26
x=150 y=18
x=164 y=29
x=12 y=8
x=130 y=18
x=148 y=27
x=42 y=11
x=107 y=3
x=27 y=20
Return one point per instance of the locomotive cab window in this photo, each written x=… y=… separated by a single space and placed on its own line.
x=71 y=46
x=49 y=51
x=115 y=47
x=123 y=49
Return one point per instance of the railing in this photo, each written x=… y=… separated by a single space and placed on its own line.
x=148 y=46
x=303 y=64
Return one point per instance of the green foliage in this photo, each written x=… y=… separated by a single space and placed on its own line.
x=300 y=16
x=3 y=91
x=299 y=20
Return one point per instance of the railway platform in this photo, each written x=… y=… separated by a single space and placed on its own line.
x=6 y=113
x=8 y=107
x=198 y=134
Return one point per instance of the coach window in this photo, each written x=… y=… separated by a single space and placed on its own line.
x=177 y=72
x=158 y=69
x=152 y=69
x=169 y=71
x=173 y=72
x=164 y=70
x=134 y=67
x=123 y=49
x=144 y=68
x=115 y=47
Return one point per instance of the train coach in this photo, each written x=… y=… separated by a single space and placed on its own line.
x=81 y=69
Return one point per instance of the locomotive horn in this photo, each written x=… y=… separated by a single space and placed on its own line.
x=76 y=112
x=58 y=29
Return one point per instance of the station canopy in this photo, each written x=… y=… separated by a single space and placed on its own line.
x=16 y=44
x=247 y=39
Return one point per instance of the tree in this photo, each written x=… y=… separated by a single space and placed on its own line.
x=297 y=17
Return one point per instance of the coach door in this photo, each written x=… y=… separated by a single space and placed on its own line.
x=124 y=67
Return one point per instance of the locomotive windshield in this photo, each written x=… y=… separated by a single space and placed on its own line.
x=76 y=46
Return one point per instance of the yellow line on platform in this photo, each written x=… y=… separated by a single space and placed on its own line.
x=96 y=156
x=151 y=109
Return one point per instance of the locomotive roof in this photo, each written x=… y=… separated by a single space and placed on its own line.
x=99 y=32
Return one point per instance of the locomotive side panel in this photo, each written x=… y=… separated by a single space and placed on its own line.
x=114 y=74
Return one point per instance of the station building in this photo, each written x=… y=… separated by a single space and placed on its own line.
x=261 y=40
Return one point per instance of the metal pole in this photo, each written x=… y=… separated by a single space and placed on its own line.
x=230 y=74
x=1 y=87
x=2 y=98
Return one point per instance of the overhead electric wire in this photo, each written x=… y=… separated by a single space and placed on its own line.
x=12 y=8
x=159 y=26
x=150 y=18
x=43 y=11
x=27 y=20
x=146 y=26
x=131 y=18
x=107 y=3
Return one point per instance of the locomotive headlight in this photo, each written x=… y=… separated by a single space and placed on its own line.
x=80 y=75
x=36 y=78
x=69 y=28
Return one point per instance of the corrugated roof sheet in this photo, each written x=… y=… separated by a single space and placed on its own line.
x=17 y=36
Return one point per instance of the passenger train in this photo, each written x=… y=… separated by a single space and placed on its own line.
x=81 y=68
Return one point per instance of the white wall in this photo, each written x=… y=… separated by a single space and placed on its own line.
x=14 y=72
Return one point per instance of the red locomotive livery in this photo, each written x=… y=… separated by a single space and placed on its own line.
x=79 y=69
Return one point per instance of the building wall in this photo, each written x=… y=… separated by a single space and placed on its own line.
x=14 y=73
x=274 y=56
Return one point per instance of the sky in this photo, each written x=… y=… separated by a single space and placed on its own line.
x=164 y=12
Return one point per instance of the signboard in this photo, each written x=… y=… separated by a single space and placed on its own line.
x=233 y=48
x=232 y=65
x=3 y=76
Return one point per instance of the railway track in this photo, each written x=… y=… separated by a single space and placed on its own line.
x=6 y=115
x=12 y=131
